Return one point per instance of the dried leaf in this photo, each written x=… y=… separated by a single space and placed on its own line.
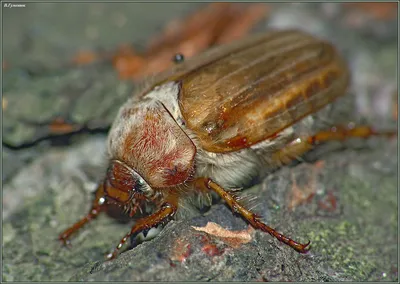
x=232 y=238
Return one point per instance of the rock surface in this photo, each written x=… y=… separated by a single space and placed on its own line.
x=345 y=202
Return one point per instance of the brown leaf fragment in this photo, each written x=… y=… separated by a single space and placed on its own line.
x=232 y=238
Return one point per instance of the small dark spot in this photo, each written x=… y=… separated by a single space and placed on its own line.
x=181 y=121
x=178 y=58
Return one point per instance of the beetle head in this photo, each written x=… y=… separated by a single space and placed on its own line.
x=124 y=184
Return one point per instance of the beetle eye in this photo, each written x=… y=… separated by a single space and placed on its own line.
x=141 y=185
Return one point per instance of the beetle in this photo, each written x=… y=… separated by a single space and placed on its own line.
x=214 y=122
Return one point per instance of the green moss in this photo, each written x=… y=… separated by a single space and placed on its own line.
x=340 y=242
x=352 y=243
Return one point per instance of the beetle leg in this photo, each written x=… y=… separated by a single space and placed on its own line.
x=252 y=218
x=167 y=210
x=97 y=207
x=302 y=145
x=348 y=131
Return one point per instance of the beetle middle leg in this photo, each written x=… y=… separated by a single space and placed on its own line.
x=251 y=217
x=167 y=210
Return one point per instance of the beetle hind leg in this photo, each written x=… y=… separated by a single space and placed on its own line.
x=301 y=145
x=348 y=131
x=252 y=218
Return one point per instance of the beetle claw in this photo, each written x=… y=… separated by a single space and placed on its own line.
x=65 y=242
x=304 y=248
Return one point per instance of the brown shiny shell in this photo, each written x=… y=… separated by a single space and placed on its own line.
x=239 y=94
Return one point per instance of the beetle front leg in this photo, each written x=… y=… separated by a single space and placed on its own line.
x=97 y=207
x=167 y=210
x=251 y=217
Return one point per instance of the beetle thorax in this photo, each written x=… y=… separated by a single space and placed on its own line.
x=146 y=137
